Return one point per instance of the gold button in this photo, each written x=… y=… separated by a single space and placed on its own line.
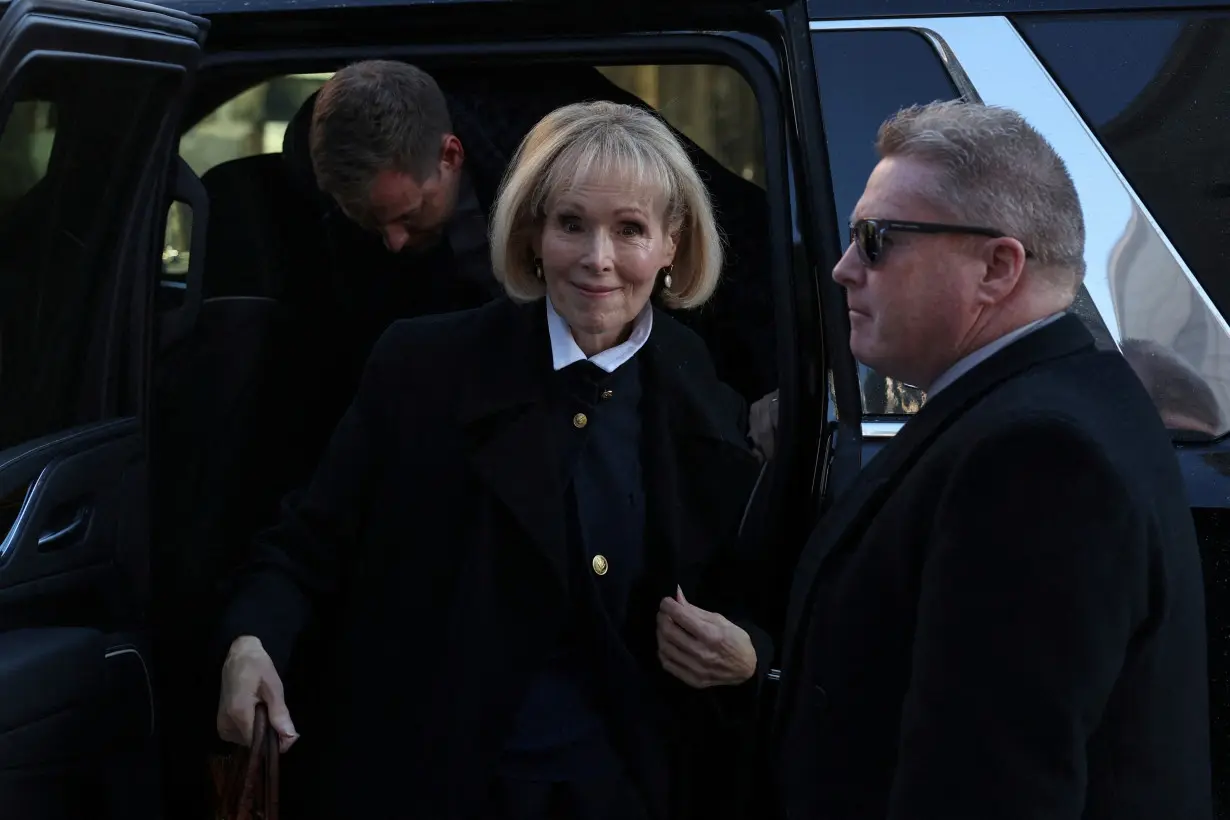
x=579 y=420
x=606 y=394
x=600 y=565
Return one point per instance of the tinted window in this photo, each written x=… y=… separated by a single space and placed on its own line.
x=67 y=141
x=713 y=105
x=866 y=76
x=1156 y=90
x=25 y=149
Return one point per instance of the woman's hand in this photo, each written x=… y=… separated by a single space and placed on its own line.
x=702 y=648
x=248 y=678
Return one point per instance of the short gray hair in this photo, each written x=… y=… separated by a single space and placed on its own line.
x=996 y=171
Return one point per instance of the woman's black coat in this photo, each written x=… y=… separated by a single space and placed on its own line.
x=431 y=545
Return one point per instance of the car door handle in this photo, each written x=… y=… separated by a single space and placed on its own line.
x=55 y=538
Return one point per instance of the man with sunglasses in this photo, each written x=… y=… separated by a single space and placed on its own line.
x=1004 y=616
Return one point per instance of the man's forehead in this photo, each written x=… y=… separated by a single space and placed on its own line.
x=392 y=195
x=895 y=191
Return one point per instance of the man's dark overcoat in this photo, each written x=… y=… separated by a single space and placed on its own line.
x=1003 y=617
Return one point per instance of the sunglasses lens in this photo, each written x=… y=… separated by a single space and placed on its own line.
x=866 y=237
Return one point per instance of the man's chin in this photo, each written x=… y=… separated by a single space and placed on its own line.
x=867 y=355
x=861 y=348
x=428 y=243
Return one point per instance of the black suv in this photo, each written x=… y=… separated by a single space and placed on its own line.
x=135 y=382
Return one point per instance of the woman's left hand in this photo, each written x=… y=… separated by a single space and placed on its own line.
x=702 y=648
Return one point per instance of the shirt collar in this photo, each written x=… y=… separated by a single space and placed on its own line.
x=985 y=352
x=467 y=229
x=566 y=351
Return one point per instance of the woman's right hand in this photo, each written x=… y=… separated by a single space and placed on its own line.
x=248 y=678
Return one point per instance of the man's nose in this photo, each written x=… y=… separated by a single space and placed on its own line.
x=601 y=253
x=848 y=268
x=395 y=238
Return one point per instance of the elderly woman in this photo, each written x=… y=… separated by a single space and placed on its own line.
x=524 y=528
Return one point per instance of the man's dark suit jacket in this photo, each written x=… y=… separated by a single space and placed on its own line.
x=430 y=545
x=1004 y=616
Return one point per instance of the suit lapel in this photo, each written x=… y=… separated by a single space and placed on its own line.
x=506 y=416
x=698 y=472
x=847 y=519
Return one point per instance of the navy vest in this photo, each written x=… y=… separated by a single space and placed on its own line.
x=559 y=732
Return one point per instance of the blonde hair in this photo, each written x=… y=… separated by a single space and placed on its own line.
x=602 y=139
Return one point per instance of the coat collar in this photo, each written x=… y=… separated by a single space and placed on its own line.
x=849 y=515
x=690 y=427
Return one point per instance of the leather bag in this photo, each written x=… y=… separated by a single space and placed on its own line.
x=246 y=781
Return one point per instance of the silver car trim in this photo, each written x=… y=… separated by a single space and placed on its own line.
x=881 y=429
x=1135 y=276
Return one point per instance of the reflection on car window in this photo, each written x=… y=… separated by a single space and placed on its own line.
x=1134 y=50
x=866 y=76
x=1159 y=103
x=1169 y=136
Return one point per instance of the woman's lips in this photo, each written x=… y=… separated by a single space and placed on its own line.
x=594 y=291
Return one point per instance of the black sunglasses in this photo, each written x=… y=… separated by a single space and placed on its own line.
x=868 y=235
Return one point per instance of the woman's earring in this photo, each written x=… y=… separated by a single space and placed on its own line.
x=666 y=280
x=538 y=268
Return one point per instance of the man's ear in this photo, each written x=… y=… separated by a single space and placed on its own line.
x=1004 y=260
x=452 y=152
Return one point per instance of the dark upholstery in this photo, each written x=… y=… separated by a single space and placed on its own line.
x=260 y=237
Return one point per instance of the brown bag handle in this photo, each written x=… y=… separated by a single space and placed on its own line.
x=261 y=770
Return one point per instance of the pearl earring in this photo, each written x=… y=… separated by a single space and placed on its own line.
x=666 y=280
x=538 y=268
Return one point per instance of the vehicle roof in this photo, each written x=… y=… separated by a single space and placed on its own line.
x=205 y=7
x=826 y=9
x=817 y=9
x=846 y=10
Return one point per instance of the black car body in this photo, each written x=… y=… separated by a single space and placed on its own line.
x=103 y=592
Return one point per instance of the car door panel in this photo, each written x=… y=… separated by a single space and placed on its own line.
x=65 y=529
x=52 y=680
x=73 y=696
x=89 y=93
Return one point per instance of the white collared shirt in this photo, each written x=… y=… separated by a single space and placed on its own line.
x=566 y=351
x=985 y=352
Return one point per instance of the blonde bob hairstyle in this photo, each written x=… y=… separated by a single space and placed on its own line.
x=604 y=140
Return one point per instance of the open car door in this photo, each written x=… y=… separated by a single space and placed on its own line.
x=89 y=92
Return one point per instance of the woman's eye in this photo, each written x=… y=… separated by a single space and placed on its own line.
x=570 y=223
x=632 y=229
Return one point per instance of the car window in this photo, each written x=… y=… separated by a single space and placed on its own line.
x=62 y=159
x=712 y=105
x=864 y=77
x=1155 y=89
x=248 y=125
x=25 y=149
